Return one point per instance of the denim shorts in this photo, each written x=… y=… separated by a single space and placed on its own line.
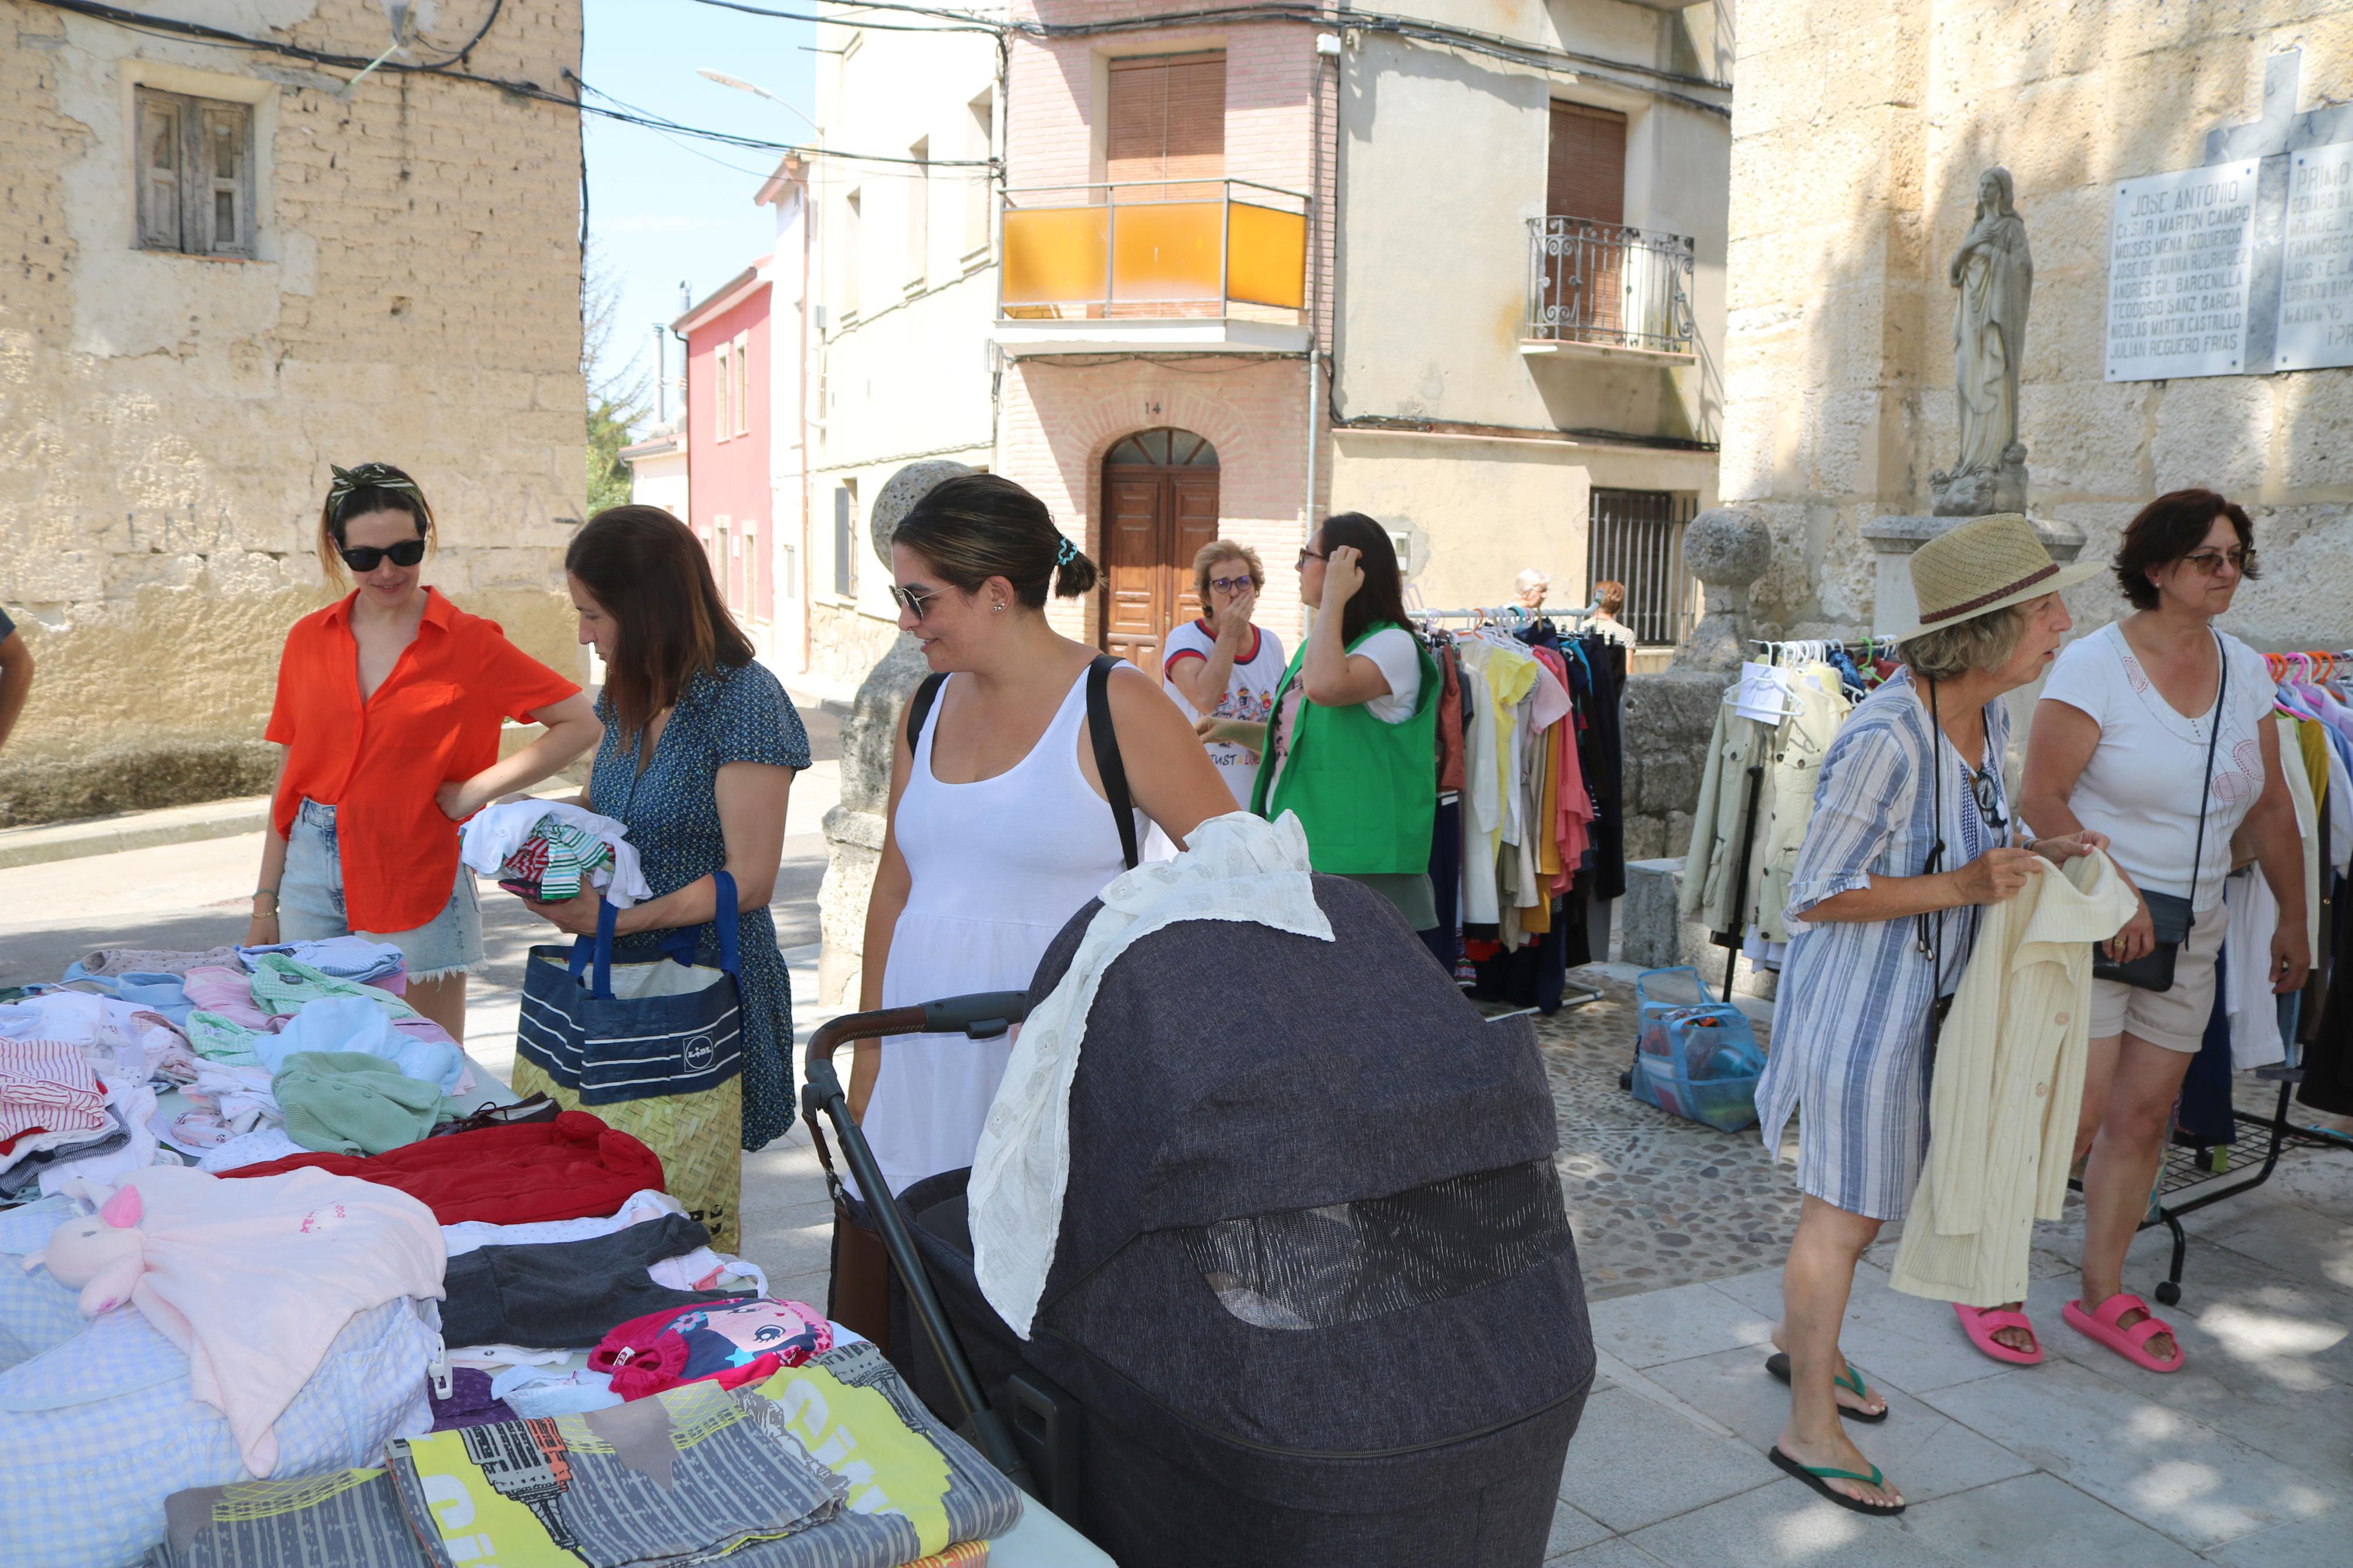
x=311 y=904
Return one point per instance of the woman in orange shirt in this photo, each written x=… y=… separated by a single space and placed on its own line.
x=389 y=707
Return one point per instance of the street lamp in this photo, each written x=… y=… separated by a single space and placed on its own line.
x=740 y=85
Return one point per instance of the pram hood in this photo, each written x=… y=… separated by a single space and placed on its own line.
x=1311 y=1215
x=1231 y=1070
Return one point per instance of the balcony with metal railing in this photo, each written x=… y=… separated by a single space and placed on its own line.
x=1198 y=265
x=1604 y=290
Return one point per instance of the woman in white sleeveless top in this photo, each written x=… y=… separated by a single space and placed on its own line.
x=999 y=831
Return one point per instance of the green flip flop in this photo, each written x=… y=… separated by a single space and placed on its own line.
x=1777 y=1364
x=1820 y=1477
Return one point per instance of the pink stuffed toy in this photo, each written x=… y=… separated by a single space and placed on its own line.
x=103 y=1253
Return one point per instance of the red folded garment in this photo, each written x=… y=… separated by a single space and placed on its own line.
x=573 y=1167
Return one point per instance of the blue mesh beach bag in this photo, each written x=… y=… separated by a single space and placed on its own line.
x=1693 y=1058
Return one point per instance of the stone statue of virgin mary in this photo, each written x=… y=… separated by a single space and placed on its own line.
x=1995 y=274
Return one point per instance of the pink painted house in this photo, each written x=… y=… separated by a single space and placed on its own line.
x=728 y=432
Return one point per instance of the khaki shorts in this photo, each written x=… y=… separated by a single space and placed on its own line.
x=2175 y=1019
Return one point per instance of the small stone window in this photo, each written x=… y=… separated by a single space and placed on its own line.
x=194 y=175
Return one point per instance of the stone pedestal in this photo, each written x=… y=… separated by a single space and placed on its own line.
x=1727 y=549
x=853 y=829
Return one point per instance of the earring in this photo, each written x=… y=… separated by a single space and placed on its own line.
x=998 y=609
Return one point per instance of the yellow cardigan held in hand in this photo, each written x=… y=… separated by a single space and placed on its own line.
x=2007 y=1086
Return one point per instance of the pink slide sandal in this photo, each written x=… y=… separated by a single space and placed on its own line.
x=2130 y=1343
x=1981 y=1323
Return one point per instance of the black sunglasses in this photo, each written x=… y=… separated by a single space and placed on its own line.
x=365 y=558
x=912 y=601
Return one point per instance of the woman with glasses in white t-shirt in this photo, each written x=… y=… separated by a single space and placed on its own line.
x=2123 y=737
x=1223 y=669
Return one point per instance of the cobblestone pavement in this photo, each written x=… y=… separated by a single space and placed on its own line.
x=1655 y=1201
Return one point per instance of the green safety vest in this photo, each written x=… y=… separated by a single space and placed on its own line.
x=1366 y=791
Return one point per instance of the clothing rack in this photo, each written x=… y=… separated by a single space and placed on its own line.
x=2203 y=1171
x=1506 y=616
x=1574 y=992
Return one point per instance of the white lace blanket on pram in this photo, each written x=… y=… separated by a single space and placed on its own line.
x=1239 y=868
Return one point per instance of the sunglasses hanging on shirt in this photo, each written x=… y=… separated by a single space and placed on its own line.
x=365 y=558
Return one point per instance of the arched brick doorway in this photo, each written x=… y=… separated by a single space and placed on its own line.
x=1160 y=506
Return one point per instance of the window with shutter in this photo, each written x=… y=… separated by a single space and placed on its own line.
x=919 y=213
x=743 y=425
x=1167 y=121
x=1586 y=173
x=979 y=135
x=159 y=172
x=194 y=179
x=845 y=525
x=723 y=384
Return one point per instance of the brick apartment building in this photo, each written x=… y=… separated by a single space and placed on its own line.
x=1233 y=276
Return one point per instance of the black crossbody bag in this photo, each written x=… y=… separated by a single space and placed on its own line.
x=2170 y=914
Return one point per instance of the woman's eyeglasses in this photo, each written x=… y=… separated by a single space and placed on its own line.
x=1305 y=556
x=1229 y=584
x=912 y=601
x=2209 y=561
x=366 y=558
x=1985 y=784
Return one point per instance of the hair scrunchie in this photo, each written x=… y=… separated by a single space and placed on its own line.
x=1067 y=553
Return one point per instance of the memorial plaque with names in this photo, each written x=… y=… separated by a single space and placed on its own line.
x=2180 y=254
x=2315 y=311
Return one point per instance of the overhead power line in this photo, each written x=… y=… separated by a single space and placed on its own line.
x=1419 y=29
x=202 y=33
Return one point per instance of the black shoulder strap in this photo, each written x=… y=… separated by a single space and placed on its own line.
x=919 y=708
x=1107 y=760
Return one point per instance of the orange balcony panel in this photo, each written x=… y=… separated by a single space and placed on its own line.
x=1056 y=255
x=1166 y=252
x=1267 y=256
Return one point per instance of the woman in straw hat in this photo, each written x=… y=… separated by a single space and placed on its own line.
x=1884 y=907
x=2121 y=743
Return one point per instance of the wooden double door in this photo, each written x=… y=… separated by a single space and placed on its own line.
x=1160 y=507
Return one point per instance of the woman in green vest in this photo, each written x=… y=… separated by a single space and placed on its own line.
x=1352 y=747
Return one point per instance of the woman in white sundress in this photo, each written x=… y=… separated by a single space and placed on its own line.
x=999 y=830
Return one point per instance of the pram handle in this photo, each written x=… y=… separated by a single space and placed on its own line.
x=982 y=1015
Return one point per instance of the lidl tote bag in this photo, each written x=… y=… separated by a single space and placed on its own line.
x=654 y=1048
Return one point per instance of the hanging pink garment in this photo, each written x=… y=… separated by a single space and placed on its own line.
x=1572 y=825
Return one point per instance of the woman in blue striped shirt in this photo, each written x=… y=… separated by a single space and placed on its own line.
x=1884 y=907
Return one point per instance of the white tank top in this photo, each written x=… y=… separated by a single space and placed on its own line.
x=997 y=868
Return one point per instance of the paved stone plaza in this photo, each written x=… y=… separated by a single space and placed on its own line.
x=2245 y=1458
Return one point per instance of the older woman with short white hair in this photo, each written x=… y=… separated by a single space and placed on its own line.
x=1910 y=836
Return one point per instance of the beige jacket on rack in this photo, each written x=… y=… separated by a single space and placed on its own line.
x=1791 y=770
x=2007 y=1087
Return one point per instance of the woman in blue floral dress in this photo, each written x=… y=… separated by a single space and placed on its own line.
x=700 y=745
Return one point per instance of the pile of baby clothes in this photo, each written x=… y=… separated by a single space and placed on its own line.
x=831 y=1464
x=549 y=851
x=373 y=1073
x=79 y=1079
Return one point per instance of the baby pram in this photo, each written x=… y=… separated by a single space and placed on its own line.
x=1314 y=1298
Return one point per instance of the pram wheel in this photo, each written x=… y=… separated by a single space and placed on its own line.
x=1626 y=1080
